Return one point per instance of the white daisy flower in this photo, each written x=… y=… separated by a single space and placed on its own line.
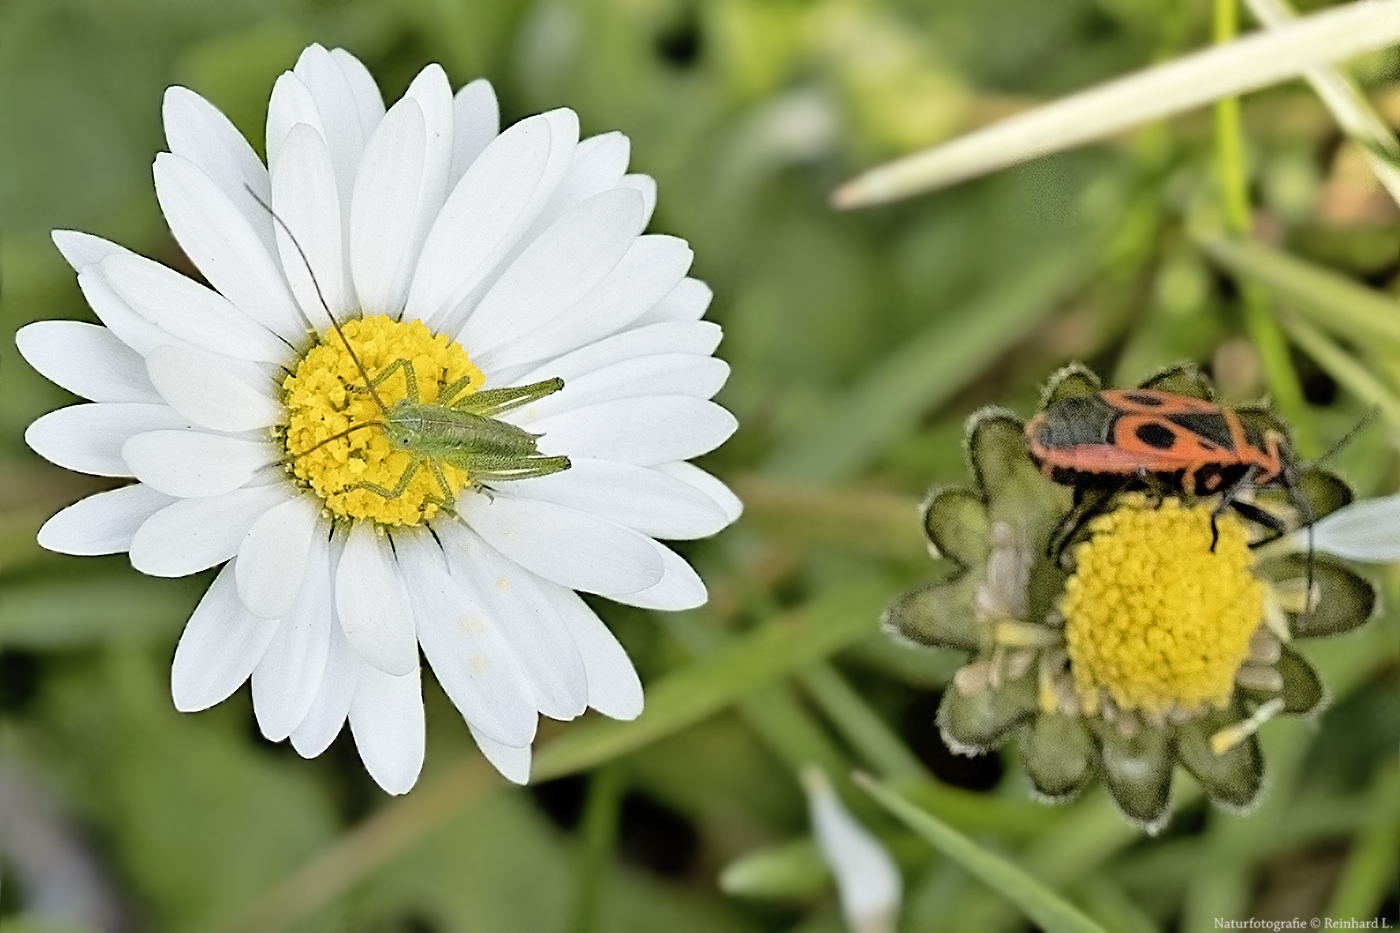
x=474 y=261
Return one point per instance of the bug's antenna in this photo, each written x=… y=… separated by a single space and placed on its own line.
x=325 y=306
x=1347 y=438
x=337 y=436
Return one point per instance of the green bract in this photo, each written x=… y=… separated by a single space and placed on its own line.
x=1003 y=605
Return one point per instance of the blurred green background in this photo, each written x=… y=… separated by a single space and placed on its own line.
x=859 y=344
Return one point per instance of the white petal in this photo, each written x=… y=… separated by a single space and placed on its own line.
x=89 y=438
x=556 y=270
x=866 y=876
x=538 y=637
x=1366 y=531
x=472 y=660
x=187 y=310
x=191 y=535
x=213 y=391
x=305 y=197
x=680 y=587
x=386 y=718
x=340 y=127
x=499 y=196
x=192 y=463
x=476 y=120
x=688 y=301
x=596 y=165
x=434 y=94
x=196 y=130
x=332 y=704
x=513 y=763
x=643 y=499
x=647 y=430
x=83 y=249
x=287 y=680
x=716 y=490
x=570 y=547
x=103 y=523
x=699 y=338
x=86 y=360
x=121 y=319
x=399 y=191
x=664 y=374
x=219 y=648
x=613 y=686
x=272 y=558
x=384 y=219
x=224 y=246
x=373 y=607
x=646 y=186
x=367 y=96
x=650 y=269
x=291 y=103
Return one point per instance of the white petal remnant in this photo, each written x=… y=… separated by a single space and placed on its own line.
x=866 y=877
x=1367 y=531
x=385 y=259
x=1223 y=71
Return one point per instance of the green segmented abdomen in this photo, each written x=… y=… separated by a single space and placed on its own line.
x=458 y=437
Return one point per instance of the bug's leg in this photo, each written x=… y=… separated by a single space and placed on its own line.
x=492 y=402
x=447 y=495
x=1227 y=499
x=1252 y=513
x=404 y=479
x=449 y=393
x=1289 y=477
x=410 y=378
x=1087 y=504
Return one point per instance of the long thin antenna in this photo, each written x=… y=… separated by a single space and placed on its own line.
x=1347 y=438
x=325 y=306
x=337 y=436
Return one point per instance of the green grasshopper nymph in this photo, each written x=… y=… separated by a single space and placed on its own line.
x=457 y=436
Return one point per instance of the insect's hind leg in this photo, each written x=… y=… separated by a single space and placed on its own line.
x=491 y=402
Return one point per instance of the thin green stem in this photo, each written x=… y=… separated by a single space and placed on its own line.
x=1234 y=194
x=599 y=832
x=859 y=725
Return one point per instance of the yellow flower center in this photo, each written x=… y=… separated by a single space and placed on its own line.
x=327 y=396
x=1153 y=616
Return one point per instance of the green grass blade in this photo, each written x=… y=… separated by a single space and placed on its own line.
x=1042 y=905
x=1114 y=106
x=890 y=400
x=1326 y=298
x=1343 y=367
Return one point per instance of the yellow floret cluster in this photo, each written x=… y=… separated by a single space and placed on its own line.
x=1153 y=616
x=326 y=395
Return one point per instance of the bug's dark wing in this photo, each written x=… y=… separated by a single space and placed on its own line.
x=1212 y=427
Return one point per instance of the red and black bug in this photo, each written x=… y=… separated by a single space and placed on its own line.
x=1106 y=442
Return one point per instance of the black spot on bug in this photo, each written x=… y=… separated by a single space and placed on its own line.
x=1142 y=398
x=1156 y=436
